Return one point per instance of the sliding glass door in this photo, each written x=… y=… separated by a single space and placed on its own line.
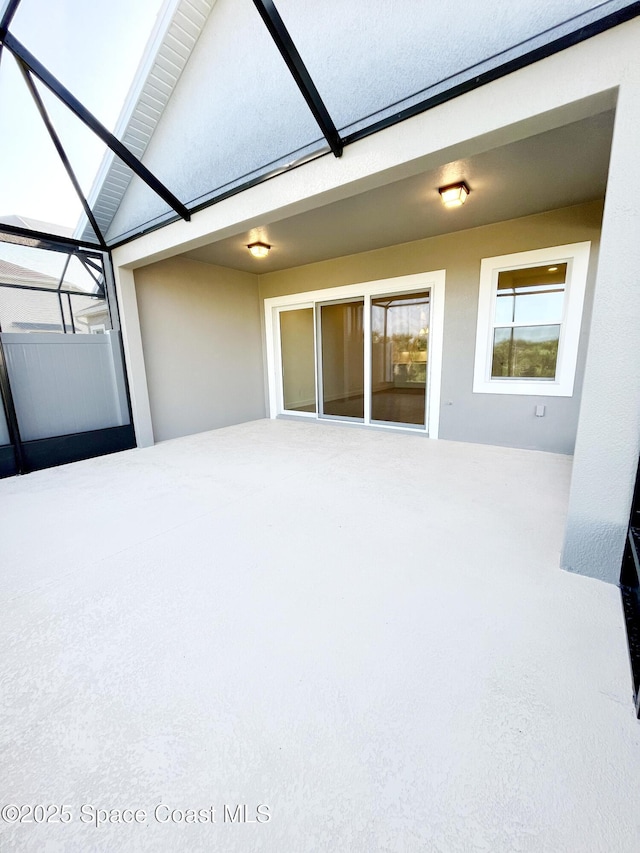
x=342 y=360
x=399 y=356
x=298 y=360
x=367 y=353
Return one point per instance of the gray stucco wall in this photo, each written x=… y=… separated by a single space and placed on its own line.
x=201 y=334
x=608 y=442
x=485 y=418
x=383 y=53
x=237 y=114
x=236 y=109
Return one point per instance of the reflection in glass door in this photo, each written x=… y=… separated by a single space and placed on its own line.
x=399 y=356
x=297 y=348
x=342 y=359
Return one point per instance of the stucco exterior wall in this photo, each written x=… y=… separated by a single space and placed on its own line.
x=228 y=129
x=608 y=442
x=216 y=118
x=201 y=335
x=507 y=420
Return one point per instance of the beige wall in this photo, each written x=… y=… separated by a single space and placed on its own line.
x=487 y=418
x=201 y=331
x=202 y=342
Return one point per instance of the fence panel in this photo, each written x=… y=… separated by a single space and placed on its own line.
x=65 y=384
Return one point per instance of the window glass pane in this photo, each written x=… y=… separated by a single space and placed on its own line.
x=525 y=351
x=530 y=307
x=343 y=359
x=298 y=360
x=399 y=345
x=533 y=295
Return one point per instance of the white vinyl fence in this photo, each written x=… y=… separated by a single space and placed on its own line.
x=64 y=384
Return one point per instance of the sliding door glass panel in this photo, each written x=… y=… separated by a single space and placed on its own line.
x=399 y=355
x=342 y=334
x=298 y=360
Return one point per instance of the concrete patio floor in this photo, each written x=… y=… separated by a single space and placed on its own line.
x=366 y=634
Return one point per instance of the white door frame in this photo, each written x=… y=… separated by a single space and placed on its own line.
x=278 y=397
x=433 y=281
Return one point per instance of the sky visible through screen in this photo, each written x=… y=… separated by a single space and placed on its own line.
x=94 y=48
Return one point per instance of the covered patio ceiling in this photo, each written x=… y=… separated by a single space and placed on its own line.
x=564 y=166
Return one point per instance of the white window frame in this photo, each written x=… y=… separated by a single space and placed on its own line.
x=576 y=256
x=433 y=281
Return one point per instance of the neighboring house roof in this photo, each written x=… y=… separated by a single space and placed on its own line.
x=38 y=311
x=177 y=30
x=92 y=310
x=15 y=274
x=11 y=273
x=36 y=225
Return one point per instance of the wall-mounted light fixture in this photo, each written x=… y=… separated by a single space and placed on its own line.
x=454 y=195
x=259 y=250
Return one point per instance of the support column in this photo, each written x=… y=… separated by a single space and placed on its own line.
x=134 y=355
x=608 y=439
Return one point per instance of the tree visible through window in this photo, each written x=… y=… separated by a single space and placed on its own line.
x=528 y=318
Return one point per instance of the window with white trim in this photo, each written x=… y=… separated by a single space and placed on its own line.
x=529 y=319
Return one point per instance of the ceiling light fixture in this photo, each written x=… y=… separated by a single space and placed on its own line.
x=454 y=195
x=259 y=250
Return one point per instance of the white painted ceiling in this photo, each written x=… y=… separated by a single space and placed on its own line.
x=558 y=168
